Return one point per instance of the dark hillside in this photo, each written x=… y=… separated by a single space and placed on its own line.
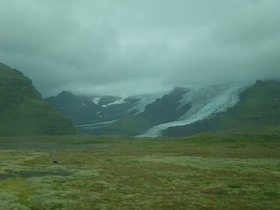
x=72 y=106
x=22 y=110
x=166 y=109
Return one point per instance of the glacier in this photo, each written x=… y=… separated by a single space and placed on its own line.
x=143 y=101
x=205 y=101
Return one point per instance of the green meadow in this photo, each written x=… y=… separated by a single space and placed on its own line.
x=206 y=171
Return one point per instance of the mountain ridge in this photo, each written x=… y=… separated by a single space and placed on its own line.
x=182 y=111
x=179 y=112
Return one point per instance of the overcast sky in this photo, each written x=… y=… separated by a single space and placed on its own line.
x=123 y=47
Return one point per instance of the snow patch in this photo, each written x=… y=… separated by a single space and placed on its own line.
x=96 y=100
x=84 y=104
x=118 y=101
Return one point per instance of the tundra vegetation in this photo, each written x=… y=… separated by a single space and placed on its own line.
x=229 y=170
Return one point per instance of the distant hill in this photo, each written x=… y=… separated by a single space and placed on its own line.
x=180 y=112
x=23 y=111
x=84 y=109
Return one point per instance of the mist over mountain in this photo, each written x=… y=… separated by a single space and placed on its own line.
x=23 y=111
x=182 y=111
x=179 y=112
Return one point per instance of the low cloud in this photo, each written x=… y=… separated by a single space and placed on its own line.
x=124 y=47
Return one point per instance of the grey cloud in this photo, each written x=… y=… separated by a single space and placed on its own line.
x=124 y=47
x=242 y=46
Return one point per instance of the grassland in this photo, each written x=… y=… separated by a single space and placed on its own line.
x=207 y=171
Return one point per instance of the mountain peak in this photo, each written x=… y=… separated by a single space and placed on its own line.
x=65 y=92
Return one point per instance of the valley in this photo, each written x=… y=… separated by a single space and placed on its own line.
x=214 y=147
x=140 y=105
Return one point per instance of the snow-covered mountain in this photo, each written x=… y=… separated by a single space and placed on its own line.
x=151 y=115
x=85 y=110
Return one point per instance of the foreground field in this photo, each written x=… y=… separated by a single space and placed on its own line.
x=202 y=172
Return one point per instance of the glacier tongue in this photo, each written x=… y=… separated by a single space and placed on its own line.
x=205 y=101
